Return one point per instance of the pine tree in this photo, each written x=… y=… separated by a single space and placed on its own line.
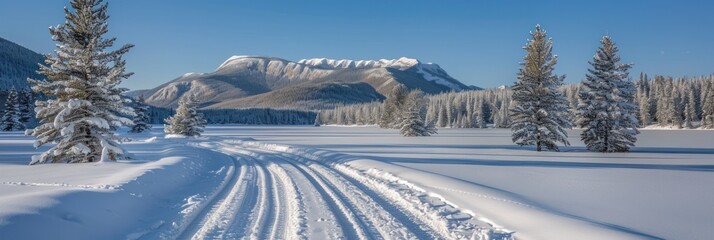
x=479 y=116
x=141 y=120
x=391 y=116
x=10 y=120
x=496 y=117
x=677 y=109
x=690 y=114
x=187 y=121
x=540 y=110
x=414 y=116
x=703 y=98
x=666 y=104
x=450 y=119
x=504 y=120
x=317 y=122
x=442 y=121
x=25 y=107
x=85 y=104
x=608 y=110
x=708 y=110
x=645 y=117
x=661 y=98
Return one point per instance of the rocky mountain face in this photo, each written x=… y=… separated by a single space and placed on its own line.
x=251 y=81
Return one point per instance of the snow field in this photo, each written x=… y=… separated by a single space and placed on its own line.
x=361 y=183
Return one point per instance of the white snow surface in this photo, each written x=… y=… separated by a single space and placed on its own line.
x=400 y=63
x=278 y=182
x=230 y=59
x=429 y=71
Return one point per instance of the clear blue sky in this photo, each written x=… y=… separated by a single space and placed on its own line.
x=477 y=42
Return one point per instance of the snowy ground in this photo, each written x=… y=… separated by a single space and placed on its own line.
x=279 y=182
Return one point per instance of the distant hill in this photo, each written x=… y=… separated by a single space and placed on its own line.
x=17 y=63
x=269 y=82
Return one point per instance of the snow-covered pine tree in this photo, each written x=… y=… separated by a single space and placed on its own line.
x=690 y=114
x=442 y=121
x=10 y=120
x=661 y=99
x=414 y=116
x=317 y=122
x=431 y=113
x=703 y=97
x=608 y=110
x=450 y=118
x=539 y=113
x=479 y=115
x=393 y=107
x=645 y=117
x=26 y=107
x=85 y=102
x=653 y=101
x=141 y=118
x=708 y=109
x=496 y=116
x=187 y=121
x=677 y=108
x=504 y=109
x=666 y=104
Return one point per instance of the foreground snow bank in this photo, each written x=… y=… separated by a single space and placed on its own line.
x=153 y=196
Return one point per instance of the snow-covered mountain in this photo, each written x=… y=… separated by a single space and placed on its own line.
x=254 y=81
x=17 y=63
x=401 y=63
x=429 y=71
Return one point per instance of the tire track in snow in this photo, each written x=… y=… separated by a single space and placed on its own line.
x=416 y=226
x=352 y=226
x=310 y=203
x=261 y=205
x=281 y=190
x=235 y=201
x=349 y=225
x=451 y=221
x=374 y=213
x=289 y=209
x=247 y=200
x=274 y=192
x=212 y=219
x=374 y=218
x=264 y=203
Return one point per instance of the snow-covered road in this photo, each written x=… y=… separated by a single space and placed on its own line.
x=272 y=193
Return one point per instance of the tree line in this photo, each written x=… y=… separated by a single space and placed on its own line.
x=663 y=101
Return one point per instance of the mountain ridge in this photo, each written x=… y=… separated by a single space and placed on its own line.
x=261 y=81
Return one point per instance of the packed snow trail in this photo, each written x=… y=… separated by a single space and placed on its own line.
x=275 y=194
